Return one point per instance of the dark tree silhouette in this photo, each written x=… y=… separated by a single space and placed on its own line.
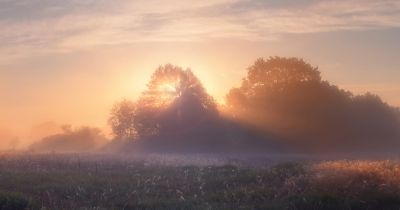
x=286 y=96
x=175 y=98
x=282 y=103
x=174 y=108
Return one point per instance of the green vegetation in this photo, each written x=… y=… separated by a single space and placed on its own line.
x=105 y=182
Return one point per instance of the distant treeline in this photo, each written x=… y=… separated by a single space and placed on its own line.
x=71 y=140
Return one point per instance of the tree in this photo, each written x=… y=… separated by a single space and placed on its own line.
x=174 y=100
x=277 y=93
x=278 y=73
x=122 y=120
x=286 y=96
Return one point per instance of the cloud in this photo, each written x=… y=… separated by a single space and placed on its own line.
x=43 y=26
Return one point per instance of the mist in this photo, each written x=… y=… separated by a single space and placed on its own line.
x=201 y=104
x=288 y=97
x=83 y=139
x=9 y=141
x=283 y=106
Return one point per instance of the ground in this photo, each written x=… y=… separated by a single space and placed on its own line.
x=96 y=181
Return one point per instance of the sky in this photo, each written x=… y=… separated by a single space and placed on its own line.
x=69 y=61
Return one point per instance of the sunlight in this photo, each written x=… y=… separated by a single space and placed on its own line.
x=168 y=87
x=166 y=92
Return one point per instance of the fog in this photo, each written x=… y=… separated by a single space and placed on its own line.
x=8 y=139
x=283 y=106
x=82 y=139
x=288 y=97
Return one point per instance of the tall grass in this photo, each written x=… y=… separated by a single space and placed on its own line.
x=106 y=182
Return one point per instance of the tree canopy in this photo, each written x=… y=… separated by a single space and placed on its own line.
x=122 y=120
x=287 y=96
x=175 y=102
x=281 y=103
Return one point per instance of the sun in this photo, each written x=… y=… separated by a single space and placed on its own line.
x=168 y=87
x=166 y=92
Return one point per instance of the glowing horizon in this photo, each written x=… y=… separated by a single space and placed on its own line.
x=67 y=62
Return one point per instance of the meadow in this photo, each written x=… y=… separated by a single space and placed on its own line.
x=93 y=181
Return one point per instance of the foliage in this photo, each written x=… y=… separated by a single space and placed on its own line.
x=281 y=103
x=175 y=97
x=122 y=120
x=287 y=97
x=174 y=106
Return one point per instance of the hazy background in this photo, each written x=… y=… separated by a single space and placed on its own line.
x=67 y=62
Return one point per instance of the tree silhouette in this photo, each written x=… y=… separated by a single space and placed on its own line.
x=175 y=102
x=286 y=96
x=282 y=103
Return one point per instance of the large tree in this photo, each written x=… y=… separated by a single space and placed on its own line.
x=175 y=102
x=287 y=96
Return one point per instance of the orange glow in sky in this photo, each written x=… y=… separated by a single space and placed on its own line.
x=67 y=62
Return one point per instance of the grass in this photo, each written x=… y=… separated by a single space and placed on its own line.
x=105 y=182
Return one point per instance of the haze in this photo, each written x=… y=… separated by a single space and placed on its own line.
x=67 y=61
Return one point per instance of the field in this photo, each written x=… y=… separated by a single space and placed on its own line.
x=94 y=181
